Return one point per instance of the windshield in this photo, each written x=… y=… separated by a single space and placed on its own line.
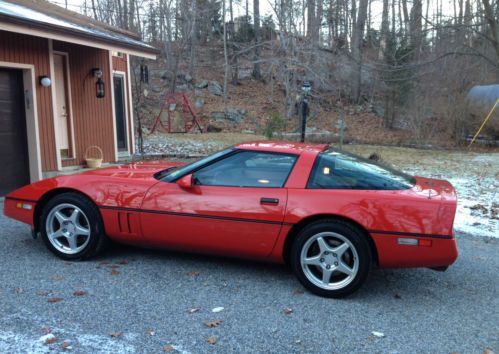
x=170 y=175
x=334 y=169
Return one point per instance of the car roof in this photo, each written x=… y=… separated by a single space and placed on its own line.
x=288 y=147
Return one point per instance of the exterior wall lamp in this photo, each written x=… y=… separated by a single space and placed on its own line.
x=100 y=91
x=45 y=81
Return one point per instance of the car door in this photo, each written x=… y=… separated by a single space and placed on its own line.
x=235 y=207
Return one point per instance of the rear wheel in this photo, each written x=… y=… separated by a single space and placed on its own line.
x=331 y=258
x=71 y=227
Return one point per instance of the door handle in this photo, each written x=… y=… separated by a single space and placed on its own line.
x=272 y=201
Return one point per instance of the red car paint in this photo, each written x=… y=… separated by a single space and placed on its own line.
x=137 y=208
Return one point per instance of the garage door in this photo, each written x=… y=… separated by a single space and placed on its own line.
x=14 y=163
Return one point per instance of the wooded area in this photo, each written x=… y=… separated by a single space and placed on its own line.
x=410 y=62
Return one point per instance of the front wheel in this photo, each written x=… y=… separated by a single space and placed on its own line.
x=71 y=227
x=331 y=258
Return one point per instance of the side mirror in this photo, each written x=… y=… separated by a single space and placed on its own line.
x=186 y=182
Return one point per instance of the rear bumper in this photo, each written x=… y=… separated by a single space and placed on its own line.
x=430 y=251
x=19 y=209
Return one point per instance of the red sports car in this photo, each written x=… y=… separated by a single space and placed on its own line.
x=328 y=214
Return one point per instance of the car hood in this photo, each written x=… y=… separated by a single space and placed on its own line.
x=135 y=170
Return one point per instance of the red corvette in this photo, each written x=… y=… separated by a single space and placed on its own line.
x=330 y=215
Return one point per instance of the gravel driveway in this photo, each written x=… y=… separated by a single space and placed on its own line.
x=143 y=298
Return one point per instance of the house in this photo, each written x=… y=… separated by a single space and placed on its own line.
x=64 y=87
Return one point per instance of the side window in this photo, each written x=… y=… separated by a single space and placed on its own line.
x=248 y=169
x=334 y=170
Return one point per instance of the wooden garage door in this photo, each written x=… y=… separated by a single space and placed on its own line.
x=14 y=163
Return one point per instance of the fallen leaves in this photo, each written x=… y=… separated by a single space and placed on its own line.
x=211 y=340
x=213 y=323
x=49 y=338
x=287 y=311
x=194 y=310
x=46 y=330
x=217 y=309
x=298 y=291
x=123 y=262
x=116 y=334
x=193 y=274
x=79 y=293
x=115 y=272
x=42 y=293
x=19 y=290
x=150 y=332
x=168 y=348
x=57 y=278
x=66 y=345
x=54 y=299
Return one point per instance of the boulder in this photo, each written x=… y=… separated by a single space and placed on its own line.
x=215 y=88
x=199 y=103
x=235 y=114
x=218 y=116
x=203 y=84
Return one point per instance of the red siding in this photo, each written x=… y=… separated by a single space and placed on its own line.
x=92 y=116
x=25 y=49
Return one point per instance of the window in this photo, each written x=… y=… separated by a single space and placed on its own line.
x=172 y=174
x=334 y=169
x=248 y=169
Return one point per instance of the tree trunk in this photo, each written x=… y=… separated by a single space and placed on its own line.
x=385 y=29
x=357 y=41
x=493 y=27
x=226 y=59
x=194 y=36
x=256 y=58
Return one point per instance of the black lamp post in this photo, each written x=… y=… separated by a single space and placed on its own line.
x=305 y=88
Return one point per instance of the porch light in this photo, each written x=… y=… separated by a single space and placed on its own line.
x=45 y=81
x=99 y=87
x=99 y=84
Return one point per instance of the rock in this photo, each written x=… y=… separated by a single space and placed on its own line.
x=378 y=110
x=156 y=89
x=215 y=88
x=235 y=114
x=199 y=103
x=203 y=84
x=188 y=78
x=182 y=88
x=213 y=129
x=218 y=116
x=247 y=131
x=166 y=75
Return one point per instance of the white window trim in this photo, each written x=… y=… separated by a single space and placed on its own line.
x=125 y=94
x=70 y=102
x=54 y=106
x=31 y=109
x=130 y=97
x=111 y=87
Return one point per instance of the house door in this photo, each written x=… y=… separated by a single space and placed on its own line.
x=120 y=109
x=62 y=121
x=14 y=158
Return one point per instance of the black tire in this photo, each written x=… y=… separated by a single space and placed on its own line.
x=349 y=232
x=97 y=240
